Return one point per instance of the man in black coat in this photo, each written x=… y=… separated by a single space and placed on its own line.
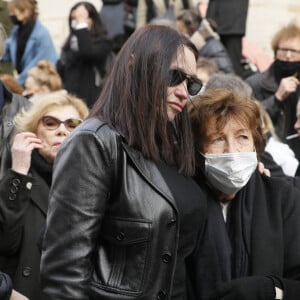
x=231 y=17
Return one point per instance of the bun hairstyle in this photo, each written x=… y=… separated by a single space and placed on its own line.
x=45 y=73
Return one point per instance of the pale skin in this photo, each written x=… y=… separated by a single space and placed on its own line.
x=178 y=95
x=81 y=15
x=234 y=137
x=288 y=85
x=33 y=88
x=46 y=141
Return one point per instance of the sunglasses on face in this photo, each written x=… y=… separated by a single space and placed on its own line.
x=194 y=84
x=52 y=123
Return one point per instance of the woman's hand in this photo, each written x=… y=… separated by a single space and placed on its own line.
x=263 y=170
x=21 y=150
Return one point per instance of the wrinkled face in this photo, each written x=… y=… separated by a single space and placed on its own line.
x=289 y=50
x=178 y=94
x=234 y=137
x=52 y=139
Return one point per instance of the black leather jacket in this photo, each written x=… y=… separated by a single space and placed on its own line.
x=113 y=231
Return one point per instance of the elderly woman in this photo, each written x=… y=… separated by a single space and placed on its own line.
x=251 y=245
x=24 y=189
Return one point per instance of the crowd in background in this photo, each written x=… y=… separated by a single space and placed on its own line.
x=117 y=80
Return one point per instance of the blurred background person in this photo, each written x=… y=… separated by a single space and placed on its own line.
x=29 y=41
x=11 y=84
x=25 y=187
x=278 y=87
x=5 y=67
x=147 y=10
x=10 y=105
x=203 y=34
x=282 y=154
x=231 y=19
x=42 y=79
x=206 y=67
x=85 y=54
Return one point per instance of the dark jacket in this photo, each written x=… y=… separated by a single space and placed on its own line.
x=282 y=113
x=23 y=207
x=83 y=70
x=215 y=50
x=13 y=104
x=274 y=240
x=115 y=233
x=230 y=16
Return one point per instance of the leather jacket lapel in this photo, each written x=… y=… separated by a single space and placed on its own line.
x=150 y=173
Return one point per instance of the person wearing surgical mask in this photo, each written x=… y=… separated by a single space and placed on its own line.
x=250 y=248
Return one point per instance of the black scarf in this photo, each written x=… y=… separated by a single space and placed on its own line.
x=22 y=38
x=41 y=166
x=224 y=253
x=284 y=69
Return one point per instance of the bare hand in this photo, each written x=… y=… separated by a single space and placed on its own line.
x=17 y=296
x=262 y=170
x=287 y=86
x=21 y=151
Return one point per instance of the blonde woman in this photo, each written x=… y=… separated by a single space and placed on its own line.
x=25 y=187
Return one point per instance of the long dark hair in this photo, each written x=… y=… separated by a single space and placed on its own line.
x=98 y=29
x=134 y=97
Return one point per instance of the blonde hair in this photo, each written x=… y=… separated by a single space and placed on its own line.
x=23 y=5
x=27 y=120
x=45 y=74
x=290 y=31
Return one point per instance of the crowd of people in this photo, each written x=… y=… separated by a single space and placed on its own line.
x=142 y=160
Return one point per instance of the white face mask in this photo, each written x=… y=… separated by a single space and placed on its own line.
x=229 y=172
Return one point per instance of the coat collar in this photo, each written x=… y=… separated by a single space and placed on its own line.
x=150 y=172
x=40 y=193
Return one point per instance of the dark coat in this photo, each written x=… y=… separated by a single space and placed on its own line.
x=23 y=207
x=13 y=104
x=83 y=70
x=282 y=113
x=275 y=235
x=215 y=50
x=115 y=234
x=230 y=15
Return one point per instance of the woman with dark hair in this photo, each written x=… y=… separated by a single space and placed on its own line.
x=126 y=222
x=251 y=244
x=84 y=56
x=29 y=41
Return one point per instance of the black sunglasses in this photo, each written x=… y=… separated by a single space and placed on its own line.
x=53 y=123
x=194 y=84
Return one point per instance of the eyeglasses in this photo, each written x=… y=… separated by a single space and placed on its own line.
x=52 y=123
x=284 y=51
x=177 y=76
